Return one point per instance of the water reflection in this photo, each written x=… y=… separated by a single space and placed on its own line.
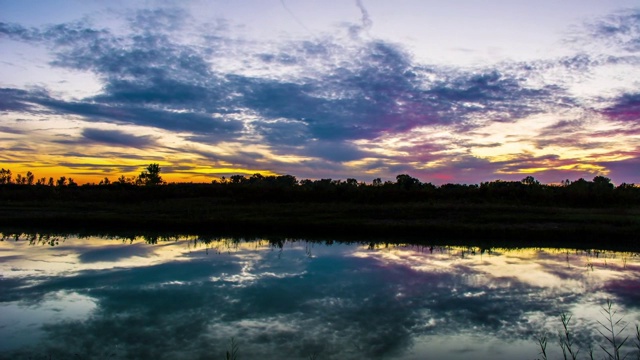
x=186 y=297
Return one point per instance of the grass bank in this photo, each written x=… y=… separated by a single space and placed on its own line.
x=615 y=228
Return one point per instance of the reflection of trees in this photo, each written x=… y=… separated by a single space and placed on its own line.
x=33 y=238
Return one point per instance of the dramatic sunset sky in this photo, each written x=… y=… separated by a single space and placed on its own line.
x=458 y=91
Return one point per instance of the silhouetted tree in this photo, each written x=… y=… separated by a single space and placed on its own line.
x=151 y=175
x=406 y=182
x=255 y=178
x=62 y=181
x=237 y=179
x=602 y=183
x=5 y=176
x=30 y=178
x=530 y=180
x=20 y=180
x=287 y=180
x=123 y=180
x=352 y=182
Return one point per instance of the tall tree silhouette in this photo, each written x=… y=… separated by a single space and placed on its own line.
x=151 y=175
x=5 y=176
x=30 y=178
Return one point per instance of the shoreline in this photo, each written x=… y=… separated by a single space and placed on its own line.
x=416 y=222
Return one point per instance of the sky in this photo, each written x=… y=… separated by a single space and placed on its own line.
x=448 y=92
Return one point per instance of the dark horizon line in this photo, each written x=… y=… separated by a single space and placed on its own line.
x=6 y=177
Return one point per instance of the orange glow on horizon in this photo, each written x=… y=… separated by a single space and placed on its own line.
x=82 y=176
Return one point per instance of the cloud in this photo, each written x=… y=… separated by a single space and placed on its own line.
x=365 y=21
x=114 y=253
x=11 y=130
x=626 y=108
x=116 y=137
x=380 y=89
x=319 y=97
x=624 y=169
x=334 y=151
x=621 y=29
x=13 y=100
x=165 y=19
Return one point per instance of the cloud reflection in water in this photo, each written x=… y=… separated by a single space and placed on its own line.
x=185 y=299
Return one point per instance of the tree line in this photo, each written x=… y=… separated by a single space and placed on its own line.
x=149 y=185
x=149 y=176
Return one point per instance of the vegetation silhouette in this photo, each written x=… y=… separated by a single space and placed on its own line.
x=612 y=330
x=150 y=176
x=600 y=192
x=591 y=211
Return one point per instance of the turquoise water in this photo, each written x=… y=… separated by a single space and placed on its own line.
x=187 y=298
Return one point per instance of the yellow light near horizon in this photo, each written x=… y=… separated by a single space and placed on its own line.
x=84 y=178
x=585 y=167
x=595 y=169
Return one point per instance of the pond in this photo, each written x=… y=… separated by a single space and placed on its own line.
x=189 y=298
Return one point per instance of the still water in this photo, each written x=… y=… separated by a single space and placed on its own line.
x=186 y=298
